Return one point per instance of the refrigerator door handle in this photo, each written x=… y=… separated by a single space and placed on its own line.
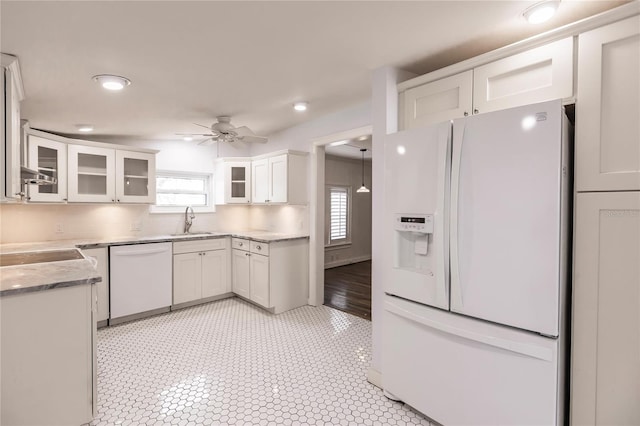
x=456 y=158
x=441 y=234
x=529 y=350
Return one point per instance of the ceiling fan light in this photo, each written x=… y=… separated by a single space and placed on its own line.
x=541 y=12
x=300 y=106
x=84 y=128
x=187 y=138
x=112 y=82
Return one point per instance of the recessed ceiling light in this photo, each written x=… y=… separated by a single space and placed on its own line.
x=300 y=106
x=338 y=143
x=541 y=12
x=112 y=82
x=86 y=128
x=187 y=138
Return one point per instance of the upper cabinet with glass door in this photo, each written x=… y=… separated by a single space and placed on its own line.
x=233 y=181
x=50 y=158
x=135 y=177
x=91 y=174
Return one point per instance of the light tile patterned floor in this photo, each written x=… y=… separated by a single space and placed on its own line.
x=231 y=363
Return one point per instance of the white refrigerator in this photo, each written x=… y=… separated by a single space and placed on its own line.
x=476 y=268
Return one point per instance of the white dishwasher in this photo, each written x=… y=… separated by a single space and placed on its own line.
x=140 y=278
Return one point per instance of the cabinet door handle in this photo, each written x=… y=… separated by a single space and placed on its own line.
x=258 y=248
x=239 y=244
x=204 y=254
x=247 y=254
x=475 y=111
x=466 y=114
x=113 y=201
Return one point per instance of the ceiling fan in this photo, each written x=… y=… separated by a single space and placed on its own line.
x=224 y=131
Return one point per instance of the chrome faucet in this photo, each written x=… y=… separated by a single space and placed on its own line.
x=188 y=219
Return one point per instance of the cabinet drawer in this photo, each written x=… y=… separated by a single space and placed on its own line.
x=260 y=248
x=199 y=245
x=240 y=244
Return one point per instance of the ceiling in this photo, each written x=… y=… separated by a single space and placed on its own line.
x=350 y=148
x=192 y=61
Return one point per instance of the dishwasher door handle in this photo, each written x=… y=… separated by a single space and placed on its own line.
x=140 y=252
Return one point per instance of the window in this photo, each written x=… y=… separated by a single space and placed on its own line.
x=338 y=206
x=177 y=190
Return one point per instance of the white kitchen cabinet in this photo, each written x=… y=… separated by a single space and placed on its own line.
x=259 y=272
x=540 y=74
x=48 y=357
x=608 y=108
x=135 y=177
x=12 y=95
x=200 y=270
x=91 y=174
x=536 y=75
x=101 y=256
x=273 y=275
x=279 y=178
x=48 y=157
x=241 y=272
x=605 y=365
x=438 y=101
x=233 y=181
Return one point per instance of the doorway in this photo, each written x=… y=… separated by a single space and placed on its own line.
x=342 y=222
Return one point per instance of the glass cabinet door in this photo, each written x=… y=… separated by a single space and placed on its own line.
x=135 y=177
x=237 y=182
x=50 y=158
x=91 y=174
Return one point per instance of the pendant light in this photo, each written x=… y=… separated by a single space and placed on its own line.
x=363 y=188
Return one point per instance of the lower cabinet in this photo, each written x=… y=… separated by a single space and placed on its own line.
x=605 y=365
x=102 y=288
x=273 y=275
x=200 y=269
x=48 y=357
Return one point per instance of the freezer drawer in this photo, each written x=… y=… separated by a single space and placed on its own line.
x=462 y=371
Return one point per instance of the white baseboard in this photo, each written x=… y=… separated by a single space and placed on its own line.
x=343 y=262
x=374 y=377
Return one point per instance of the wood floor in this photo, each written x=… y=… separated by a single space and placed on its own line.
x=348 y=288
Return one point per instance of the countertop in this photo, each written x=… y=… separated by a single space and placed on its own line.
x=43 y=276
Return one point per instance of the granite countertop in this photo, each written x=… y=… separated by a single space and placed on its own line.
x=42 y=276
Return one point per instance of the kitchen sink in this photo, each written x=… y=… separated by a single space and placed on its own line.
x=193 y=234
x=26 y=258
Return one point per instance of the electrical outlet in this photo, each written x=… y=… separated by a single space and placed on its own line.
x=136 y=226
x=59 y=228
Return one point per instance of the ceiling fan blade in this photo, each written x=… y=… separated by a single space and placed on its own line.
x=244 y=131
x=194 y=134
x=202 y=125
x=208 y=141
x=253 y=139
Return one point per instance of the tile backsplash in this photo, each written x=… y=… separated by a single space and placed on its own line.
x=48 y=222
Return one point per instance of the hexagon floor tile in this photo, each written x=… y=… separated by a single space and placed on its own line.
x=231 y=363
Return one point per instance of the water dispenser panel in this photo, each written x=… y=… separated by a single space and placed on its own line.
x=414 y=235
x=416 y=223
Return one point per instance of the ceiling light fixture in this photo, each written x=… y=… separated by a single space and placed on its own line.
x=300 y=106
x=187 y=139
x=112 y=82
x=85 y=128
x=541 y=12
x=338 y=143
x=363 y=188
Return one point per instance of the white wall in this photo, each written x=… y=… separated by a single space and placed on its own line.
x=348 y=172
